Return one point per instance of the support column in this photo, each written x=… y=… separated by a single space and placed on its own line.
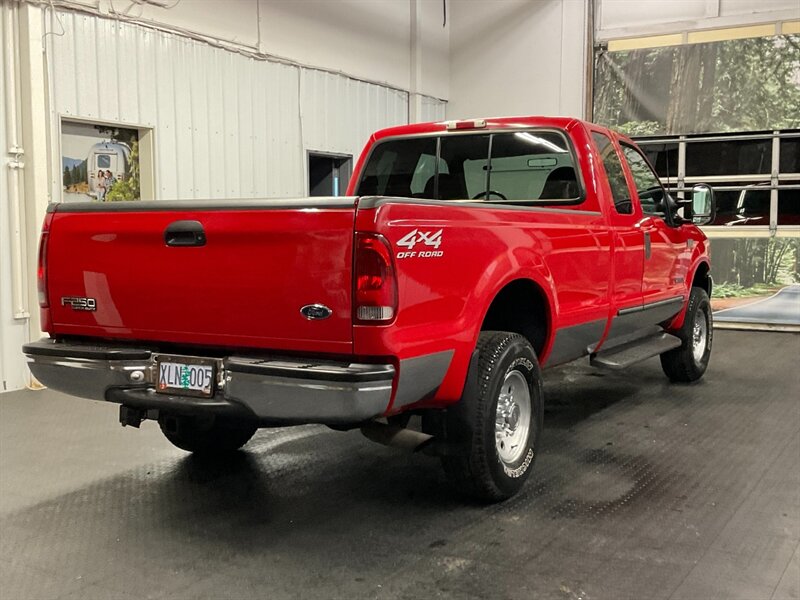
x=414 y=98
x=35 y=122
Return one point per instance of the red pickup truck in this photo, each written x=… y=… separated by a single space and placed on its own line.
x=466 y=255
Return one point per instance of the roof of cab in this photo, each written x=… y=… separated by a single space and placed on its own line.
x=492 y=123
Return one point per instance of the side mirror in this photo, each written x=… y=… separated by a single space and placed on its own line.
x=704 y=205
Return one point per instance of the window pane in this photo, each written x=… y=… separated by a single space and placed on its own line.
x=103 y=161
x=749 y=206
x=729 y=157
x=789 y=205
x=616 y=176
x=424 y=172
x=462 y=174
x=664 y=157
x=532 y=165
x=651 y=194
x=790 y=155
x=394 y=165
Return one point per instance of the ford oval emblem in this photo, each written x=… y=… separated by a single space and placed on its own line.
x=314 y=312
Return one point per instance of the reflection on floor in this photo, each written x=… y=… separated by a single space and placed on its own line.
x=642 y=489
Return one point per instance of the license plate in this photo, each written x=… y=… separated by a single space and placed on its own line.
x=186 y=376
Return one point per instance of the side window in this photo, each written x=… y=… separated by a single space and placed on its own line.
x=651 y=194
x=616 y=176
x=532 y=165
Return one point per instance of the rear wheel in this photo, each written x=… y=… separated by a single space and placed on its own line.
x=689 y=362
x=497 y=424
x=205 y=435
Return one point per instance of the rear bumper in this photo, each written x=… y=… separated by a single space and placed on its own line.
x=271 y=390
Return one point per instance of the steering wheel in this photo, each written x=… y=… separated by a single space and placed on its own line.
x=489 y=193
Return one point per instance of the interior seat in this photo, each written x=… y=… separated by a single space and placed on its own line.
x=561 y=184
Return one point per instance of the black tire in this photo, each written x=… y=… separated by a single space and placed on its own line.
x=478 y=468
x=683 y=364
x=206 y=436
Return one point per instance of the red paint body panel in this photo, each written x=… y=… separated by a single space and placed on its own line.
x=246 y=286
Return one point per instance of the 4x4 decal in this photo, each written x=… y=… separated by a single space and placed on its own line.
x=431 y=239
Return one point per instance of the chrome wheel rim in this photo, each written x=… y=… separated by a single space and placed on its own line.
x=513 y=418
x=699 y=335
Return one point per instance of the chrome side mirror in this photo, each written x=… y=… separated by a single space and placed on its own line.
x=704 y=205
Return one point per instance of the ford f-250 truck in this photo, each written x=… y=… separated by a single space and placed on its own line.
x=467 y=255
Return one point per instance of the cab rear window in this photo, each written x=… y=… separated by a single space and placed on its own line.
x=536 y=167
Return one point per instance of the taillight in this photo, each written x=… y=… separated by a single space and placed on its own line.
x=41 y=271
x=375 y=295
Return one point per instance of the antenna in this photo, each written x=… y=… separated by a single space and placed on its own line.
x=666 y=155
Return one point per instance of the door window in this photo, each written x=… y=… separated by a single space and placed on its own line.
x=616 y=176
x=651 y=194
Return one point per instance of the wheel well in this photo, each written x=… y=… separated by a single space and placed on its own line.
x=520 y=307
x=701 y=278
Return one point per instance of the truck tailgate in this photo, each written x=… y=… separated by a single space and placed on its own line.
x=243 y=287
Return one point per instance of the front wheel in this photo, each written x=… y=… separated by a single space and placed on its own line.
x=207 y=436
x=498 y=422
x=688 y=362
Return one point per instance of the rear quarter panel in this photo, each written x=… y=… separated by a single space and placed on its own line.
x=443 y=299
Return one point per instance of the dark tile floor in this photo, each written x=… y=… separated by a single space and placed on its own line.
x=642 y=490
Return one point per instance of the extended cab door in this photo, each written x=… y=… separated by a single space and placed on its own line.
x=666 y=254
x=628 y=239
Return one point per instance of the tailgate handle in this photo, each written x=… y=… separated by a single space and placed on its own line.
x=185 y=233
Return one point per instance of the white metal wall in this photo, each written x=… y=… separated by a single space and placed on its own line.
x=225 y=125
x=13 y=332
x=433 y=109
x=517 y=57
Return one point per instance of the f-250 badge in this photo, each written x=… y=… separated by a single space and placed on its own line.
x=431 y=239
x=78 y=303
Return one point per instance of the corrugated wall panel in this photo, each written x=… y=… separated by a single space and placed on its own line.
x=359 y=109
x=225 y=125
x=432 y=110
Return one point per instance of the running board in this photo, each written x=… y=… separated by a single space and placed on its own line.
x=631 y=353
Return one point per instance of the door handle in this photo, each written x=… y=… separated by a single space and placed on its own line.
x=185 y=233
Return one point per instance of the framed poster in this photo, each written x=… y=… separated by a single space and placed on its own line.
x=99 y=162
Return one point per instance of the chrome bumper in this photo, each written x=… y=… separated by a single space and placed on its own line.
x=278 y=390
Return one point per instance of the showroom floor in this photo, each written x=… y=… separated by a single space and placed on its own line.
x=642 y=490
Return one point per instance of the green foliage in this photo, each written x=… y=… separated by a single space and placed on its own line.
x=75 y=175
x=734 y=85
x=747 y=263
x=634 y=128
x=734 y=290
x=127 y=189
